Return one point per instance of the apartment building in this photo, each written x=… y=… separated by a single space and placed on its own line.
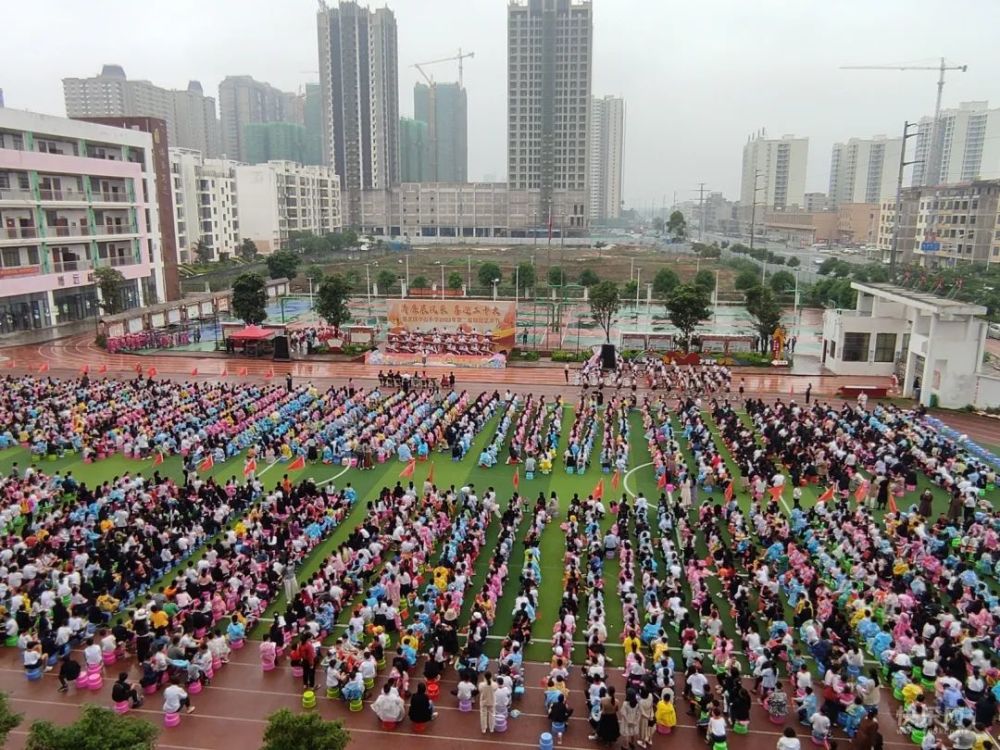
x=205 y=205
x=242 y=101
x=968 y=146
x=74 y=197
x=774 y=173
x=280 y=197
x=864 y=170
x=607 y=155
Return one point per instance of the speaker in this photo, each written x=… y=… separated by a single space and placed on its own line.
x=281 y=347
x=608 y=356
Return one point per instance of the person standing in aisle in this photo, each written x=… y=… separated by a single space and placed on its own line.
x=487 y=702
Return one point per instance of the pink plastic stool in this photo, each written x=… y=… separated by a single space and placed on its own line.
x=297 y=671
x=96 y=681
x=83 y=681
x=195 y=687
x=171 y=720
x=109 y=658
x=121 y=707
x=149 y=689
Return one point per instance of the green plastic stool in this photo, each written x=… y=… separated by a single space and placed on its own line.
x=356 y=705
x=333 y=693
x=309 y=699
x=917 y=736
x=369 y=683
x=741 y=728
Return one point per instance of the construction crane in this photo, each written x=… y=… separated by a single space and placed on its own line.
x=460 y=56
x=940 y=68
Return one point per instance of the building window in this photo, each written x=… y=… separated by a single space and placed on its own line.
x=856 y=347
x=885 y=347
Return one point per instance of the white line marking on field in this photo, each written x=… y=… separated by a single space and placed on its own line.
x=334 y=477
x=630 y=473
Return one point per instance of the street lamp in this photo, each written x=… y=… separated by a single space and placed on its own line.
x=368 y=287
x=495 y=282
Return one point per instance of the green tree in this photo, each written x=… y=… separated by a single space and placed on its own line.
x=315 y=273
x=525 y=276
x=331 y=301
x=385 y=280
x=96 y=728
x=677 y=225
x=556 y=276
x=247 y=249
x=282 y=264
x=310 y=731
x=111 y=285
x=250 y=298
x=488 y=273
x=763 y=307
x=420 y=282
x=202 y=251
x=589 y=278
x=604 y=303
x=746 y=279
x=8 y=719
x=688 y=306
x=781 y=282
x=705 y=279
x=658 y=224
x=794 y=262
x=629 y=289
x=665 y=282
x=353 y=278
x=455 y=280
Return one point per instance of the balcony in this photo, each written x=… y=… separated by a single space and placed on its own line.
x=62 y=194
x=115 y=229
x=16 y=194
x=63 y=266
x=16 y=233
x=116 y=261
x=60 y=230
x=108 y=196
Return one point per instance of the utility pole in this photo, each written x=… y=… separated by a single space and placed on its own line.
x=753 y=206
x=701 y=212
x=899 y=197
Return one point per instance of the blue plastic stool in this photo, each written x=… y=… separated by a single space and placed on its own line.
x=545 y=741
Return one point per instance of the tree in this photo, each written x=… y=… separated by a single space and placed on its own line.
x=746 y=279
x=111 y=285
x=420 y=282
x=202 y=251
x=310 y=731
x=247 y=249
x=331 y=301
x=455 y=280
x=629 y=289
x=677 y=225
x=250 y=298
x=96 y=728
x=658 y=225
x=315 y=273
x=688 y=307
x=282 y=264
x=604 y=303
x=385 y=280
x=763 y=307
x=589 y=278
x=8 y=719
x=781 y=282
x=704 y=279
x=488 y=273
x=794 y=262
x=556 y=276
x=665 y=282
x=525 y=276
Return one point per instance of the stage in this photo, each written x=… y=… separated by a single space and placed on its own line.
x=381 y=358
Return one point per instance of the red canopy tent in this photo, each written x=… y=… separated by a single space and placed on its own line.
x=253 y=333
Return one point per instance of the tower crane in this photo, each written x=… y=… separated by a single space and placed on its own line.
x=460 y=56
x=940 y=68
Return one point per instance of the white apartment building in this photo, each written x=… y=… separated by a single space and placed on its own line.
x=205 y=204
x=549 y=73
x=969 y=148
x=474 y=209
x=607 y=152
x=864 y=170
x=189 y=114
x=74 y=197
x=280 y=197
x=243 y=100
x=774 y=173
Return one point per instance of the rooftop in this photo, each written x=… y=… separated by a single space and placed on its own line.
x=930 y=303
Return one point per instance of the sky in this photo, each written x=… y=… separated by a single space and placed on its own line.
x=697 y=77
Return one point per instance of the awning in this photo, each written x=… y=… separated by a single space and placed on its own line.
x=253 y=333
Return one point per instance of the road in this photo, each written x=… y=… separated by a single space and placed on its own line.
x=807 y=256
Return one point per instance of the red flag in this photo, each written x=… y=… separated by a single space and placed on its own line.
x=194 y=372
x=298 y=464
x=775 y=492
x=859 y=493
x=158 y=458
x=516 y=481
x=102 y=369
x=152 y=372
x=269 y=374
x=206 y=464
x=598 y=492
x=138 y=369
x=242 y=372
x=615 y=479
x=430 y=474
x=408 y=470
x=892 y=504
x=729 y=492
x=44 y=367
x=250 y=467
x=84 y=370
x=662 y=481
x=225 y=372
x=828 y=495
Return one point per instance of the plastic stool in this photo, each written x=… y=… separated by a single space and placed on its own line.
x=309 y=699
x=33 y=675
x=333 y=693
x=433 y=689
x=171 y=720
x=529 y=475
x=389 y=725
x=420 y=727
x=370 y=683
x=96 y=681
x=297 y=671
x=94 y=668
x=465 y=706
x=236 y=645
x=109 y=658
x=356 y=705
x=663 y=729
x=266 y=665
x=148 y=689
x=743 y=727
x=82 y=682
x=558 y=728
x=917 y=736
x=195 y=687
x=500 y=723
x=121 y=707
x=545 y=741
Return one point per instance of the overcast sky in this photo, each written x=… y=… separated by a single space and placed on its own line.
x=697 y=77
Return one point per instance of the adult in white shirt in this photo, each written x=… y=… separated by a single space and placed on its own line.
x=788 y=740
x=175 y=698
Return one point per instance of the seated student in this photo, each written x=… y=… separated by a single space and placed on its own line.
x=123 y=690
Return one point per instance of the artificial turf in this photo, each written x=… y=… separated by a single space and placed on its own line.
x=638 y=478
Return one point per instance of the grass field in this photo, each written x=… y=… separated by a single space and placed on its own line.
x=639 y=478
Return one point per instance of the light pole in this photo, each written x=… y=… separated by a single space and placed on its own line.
x=517 y=281
x=495 y=282
x=368 y=288
x=637 y=275
x=407 y=271
x=439 y=263
x=468 y=277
